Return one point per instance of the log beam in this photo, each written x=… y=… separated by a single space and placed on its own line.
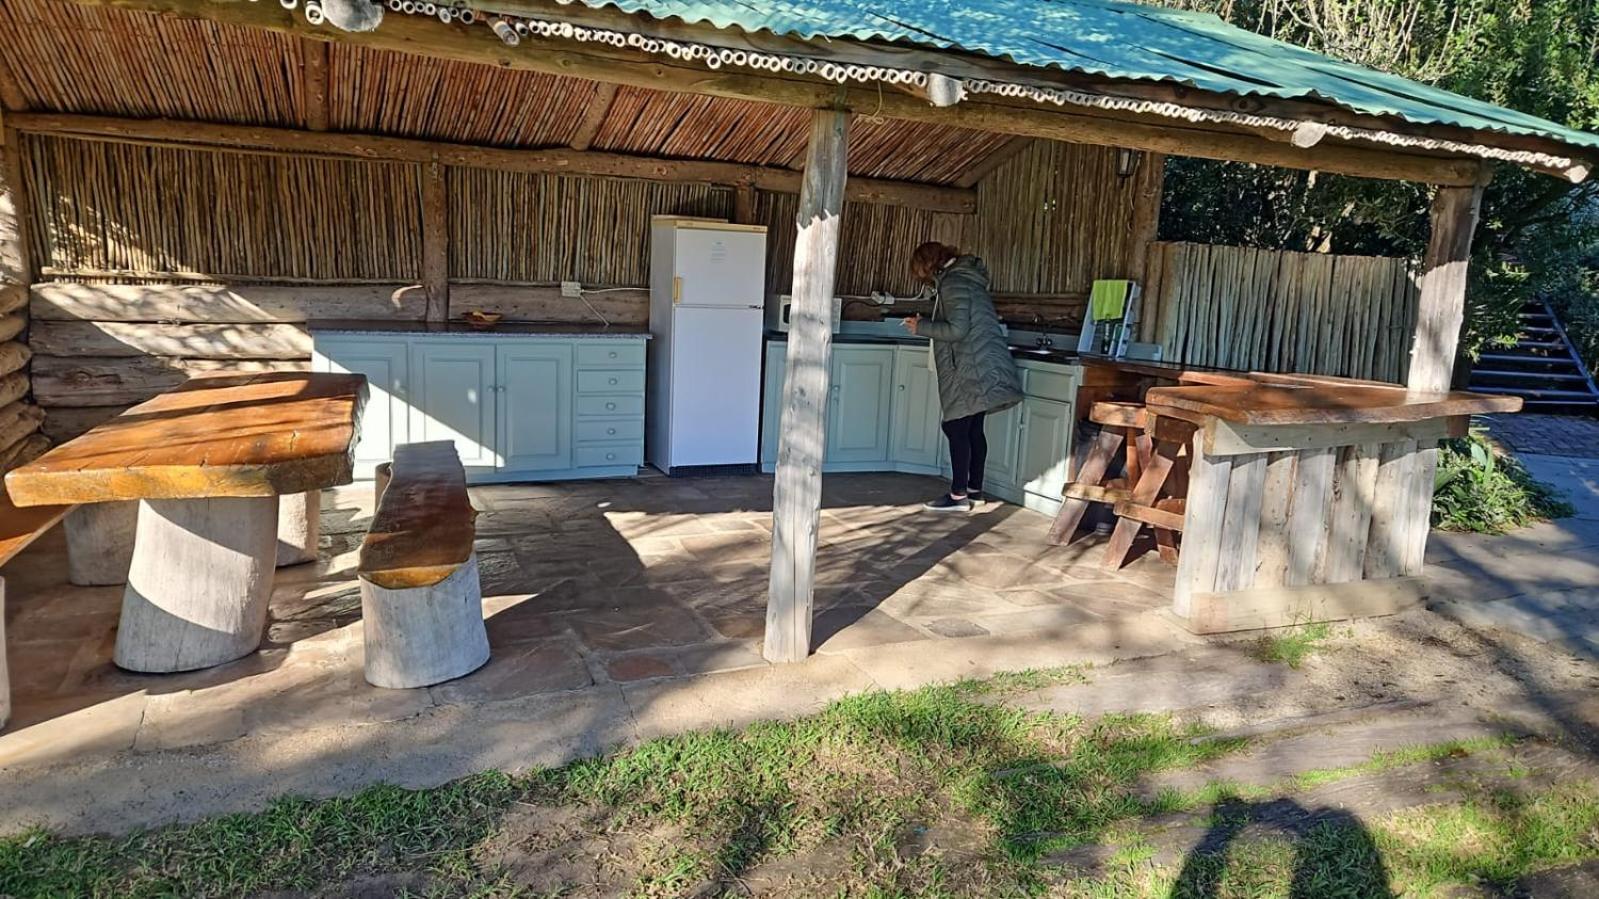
x=599 y=62
x=248 y=138
x=797 y=493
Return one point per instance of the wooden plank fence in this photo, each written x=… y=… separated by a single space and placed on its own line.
x=1273 y=310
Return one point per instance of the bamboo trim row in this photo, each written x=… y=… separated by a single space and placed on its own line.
x=1244 y=308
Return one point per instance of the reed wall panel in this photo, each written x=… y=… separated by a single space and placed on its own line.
x=72 y=58
x=394 y=93
x=1055 y=219
x=1239 y=307
x=874 y=245
x=508 y=226
x=118 y=208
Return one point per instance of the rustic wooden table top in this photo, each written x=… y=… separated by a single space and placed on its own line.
x=1320 y=402
x=244 y=434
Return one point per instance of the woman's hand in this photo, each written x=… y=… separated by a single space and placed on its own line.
x=910 y=322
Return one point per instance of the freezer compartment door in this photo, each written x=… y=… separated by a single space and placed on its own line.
x=716 y=386
x=720 y=268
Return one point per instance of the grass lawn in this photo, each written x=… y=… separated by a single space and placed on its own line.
x=943 y=791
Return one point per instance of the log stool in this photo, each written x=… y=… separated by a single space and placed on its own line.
x=421 y=601
x=1122 y=425
x=1158 y=496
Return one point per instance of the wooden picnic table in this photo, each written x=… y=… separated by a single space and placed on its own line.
x=207 y=462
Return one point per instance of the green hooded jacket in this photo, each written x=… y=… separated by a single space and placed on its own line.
x=975 y=370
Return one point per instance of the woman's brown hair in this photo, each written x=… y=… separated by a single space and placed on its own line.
x=929 y=258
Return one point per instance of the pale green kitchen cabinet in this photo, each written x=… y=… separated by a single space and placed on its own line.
x=534 y=392
x=859 y=404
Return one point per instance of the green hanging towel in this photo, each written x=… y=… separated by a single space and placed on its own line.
x=1108 y=300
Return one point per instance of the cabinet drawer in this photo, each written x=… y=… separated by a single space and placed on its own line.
x=606 y=454
x=1051 y=385
x=627 y=381
x=610 y=405
x=600 y=431
x=610 y=354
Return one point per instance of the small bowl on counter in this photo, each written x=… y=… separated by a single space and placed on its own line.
x=482 y=321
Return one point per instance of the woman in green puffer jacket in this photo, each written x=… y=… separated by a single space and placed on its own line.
x=976 y=374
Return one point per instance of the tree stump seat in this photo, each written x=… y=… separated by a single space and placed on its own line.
x=421 y=600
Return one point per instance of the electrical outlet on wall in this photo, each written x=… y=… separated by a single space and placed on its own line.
x=572 y=290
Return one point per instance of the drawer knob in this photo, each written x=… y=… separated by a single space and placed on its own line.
x=613 y=354
x=610 y=405
x=610 y=456
x=610 y=430
x=613 y=381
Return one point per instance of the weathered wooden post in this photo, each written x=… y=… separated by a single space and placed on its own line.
x=797 y=493
x=1440 y=310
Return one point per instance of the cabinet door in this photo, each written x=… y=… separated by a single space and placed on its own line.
x=916 y=437
x=385 y=419
x=1046 y=445
x=772 y=399
x=452 y=397
x=863 y=381
x=534 y=400
x=1003 y=430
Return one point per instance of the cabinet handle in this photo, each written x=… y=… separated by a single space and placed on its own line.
x=610 y=456
x=610 y=405
x=613 y=354
x=610 y=430
x=613 y=382
x=902 y=387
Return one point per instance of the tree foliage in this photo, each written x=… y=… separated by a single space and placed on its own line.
x=1538 y=235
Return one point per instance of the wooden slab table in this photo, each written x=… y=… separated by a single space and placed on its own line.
x=207 y=462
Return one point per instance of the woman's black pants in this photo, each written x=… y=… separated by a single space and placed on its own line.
x=968 y=450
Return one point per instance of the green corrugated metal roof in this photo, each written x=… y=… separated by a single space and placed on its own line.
x=1115 y=40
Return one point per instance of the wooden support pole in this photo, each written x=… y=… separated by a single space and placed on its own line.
x=1439 y=313
x=744 y=204
x=1442 y=306
x=435 y=242
x=797 y=494
x=314 y=84
x=1148 y=183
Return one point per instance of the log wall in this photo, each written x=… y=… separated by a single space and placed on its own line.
x=20 y=420
x=1270 y=310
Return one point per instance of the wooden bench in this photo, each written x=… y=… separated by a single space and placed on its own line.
x=421 y=600
x=19 y=527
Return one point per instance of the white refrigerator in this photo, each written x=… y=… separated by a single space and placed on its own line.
x=707 y=312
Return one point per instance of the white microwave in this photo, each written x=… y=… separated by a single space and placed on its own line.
x=779 y=308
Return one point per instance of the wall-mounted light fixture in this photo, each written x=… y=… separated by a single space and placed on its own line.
x=1127 y=161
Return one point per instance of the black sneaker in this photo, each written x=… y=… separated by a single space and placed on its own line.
x=947 y=503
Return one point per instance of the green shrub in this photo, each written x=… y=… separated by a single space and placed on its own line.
x=1477 y=489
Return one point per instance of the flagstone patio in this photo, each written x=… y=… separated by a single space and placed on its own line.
x=585 y=584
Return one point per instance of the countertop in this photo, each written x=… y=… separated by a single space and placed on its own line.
x=503 y=329
x=1055 y=355
x=1320 y=401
